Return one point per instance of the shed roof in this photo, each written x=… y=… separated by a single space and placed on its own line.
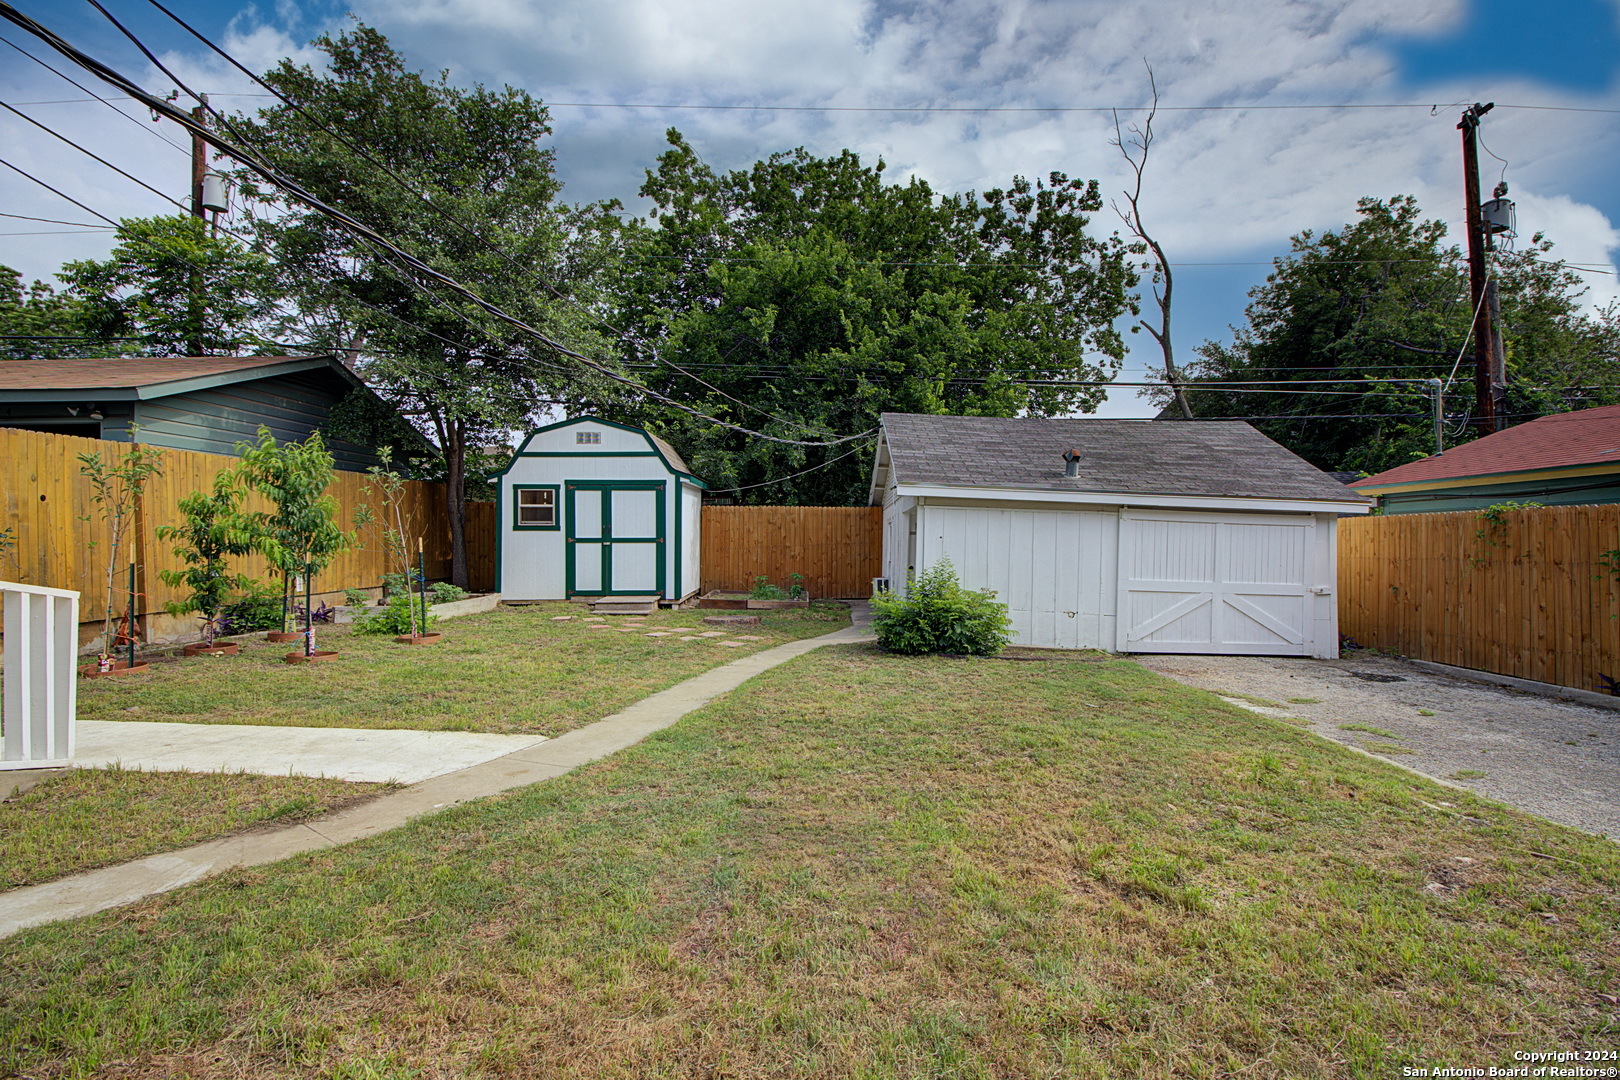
x=1224 y=458
x=146 y=377
x=1587 y=437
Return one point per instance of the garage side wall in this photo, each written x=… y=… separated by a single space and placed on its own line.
x=1054 y=569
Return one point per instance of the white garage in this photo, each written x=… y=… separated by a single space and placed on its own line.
x=1129 y=535
x=591 y=508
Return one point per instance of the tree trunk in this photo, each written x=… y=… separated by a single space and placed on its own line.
x=455 y=500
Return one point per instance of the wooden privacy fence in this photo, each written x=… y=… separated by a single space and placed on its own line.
x=60 y=538
x=1526 y=593
x=838 y=549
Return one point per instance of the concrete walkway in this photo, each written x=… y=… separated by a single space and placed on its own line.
x=98 y=890
x=356 y=754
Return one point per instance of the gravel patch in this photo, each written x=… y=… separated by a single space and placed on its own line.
x=1557 y=759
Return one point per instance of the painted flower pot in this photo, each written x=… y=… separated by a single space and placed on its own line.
x=419 y=639
x=284 y=635
x=317 y=657
x=219 y=648
x=117 y=668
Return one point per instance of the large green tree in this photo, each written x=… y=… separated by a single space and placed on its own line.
x=38 y=321
x=804 y=296
x=173 y=286
x=1349 y=314
x=458 y=178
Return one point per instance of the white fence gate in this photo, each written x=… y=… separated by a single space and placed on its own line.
x=40 y=698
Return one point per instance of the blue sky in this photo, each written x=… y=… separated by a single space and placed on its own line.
x=1226 y=188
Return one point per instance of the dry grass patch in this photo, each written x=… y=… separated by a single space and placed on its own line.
x=866 y=866
x=509 y=671
x=87 y=818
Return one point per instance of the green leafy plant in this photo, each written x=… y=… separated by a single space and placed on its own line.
x=796 y=589
x=396 y=523
x=260 y=608
x=215 y=530
x=117 y=482
x=1492 y=531
x=302 y=535
x=937 y=615
x=442 y=592
x=356 y=597
x=399 y=617
x=764 y=590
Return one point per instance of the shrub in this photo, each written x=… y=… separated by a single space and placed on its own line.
x=356 y=597
x=393 y=619
x=939 y=616
x=442 y=592
x=764 y=590
x=259 y=609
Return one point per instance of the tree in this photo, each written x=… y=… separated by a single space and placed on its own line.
x=302 y=536
x=457 y=177
x=37 y=321
x=173 y=287
x=805 y=296
x=1349 y=326
x=215 y=529
x=1135 y=150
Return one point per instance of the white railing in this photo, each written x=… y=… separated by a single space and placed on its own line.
x=40 y=699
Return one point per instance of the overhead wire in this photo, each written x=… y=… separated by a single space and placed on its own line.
x=95 y=96
x=356 y=228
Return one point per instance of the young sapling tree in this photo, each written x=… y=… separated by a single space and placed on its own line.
x=215 y=530
x=117 y=483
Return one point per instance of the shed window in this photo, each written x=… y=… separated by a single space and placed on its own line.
x=535 y=507
x=587 y=438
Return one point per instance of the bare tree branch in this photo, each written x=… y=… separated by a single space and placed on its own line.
x=1135 y=151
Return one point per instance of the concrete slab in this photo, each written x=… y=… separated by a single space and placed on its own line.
x=357 y=754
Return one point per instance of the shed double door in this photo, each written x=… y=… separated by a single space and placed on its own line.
x=1218 y=583
x=616 y=538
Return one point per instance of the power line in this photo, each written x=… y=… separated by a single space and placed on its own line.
x=52 y=221
x=64 y=76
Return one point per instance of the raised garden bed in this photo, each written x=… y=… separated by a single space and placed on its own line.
x=740 y=601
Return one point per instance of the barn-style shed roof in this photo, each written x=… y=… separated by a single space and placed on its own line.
x=1226 y=459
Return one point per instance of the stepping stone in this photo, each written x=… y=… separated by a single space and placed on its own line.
x=731 y=620
x=660 y=633
x=624 y=630
x=713 y=633
x=590 y=618
x=599 y=626
x=690 y=637
x=563 y=618
x=749 y=637
x=732 y=644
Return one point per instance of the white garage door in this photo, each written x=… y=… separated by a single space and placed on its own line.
x=1213 y=583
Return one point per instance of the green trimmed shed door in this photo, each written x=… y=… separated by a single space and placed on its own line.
x=616 y=538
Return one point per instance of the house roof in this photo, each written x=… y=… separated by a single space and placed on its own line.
x=126 y=378
x=1587 y=437
x=1223 y=458
x=671 y=458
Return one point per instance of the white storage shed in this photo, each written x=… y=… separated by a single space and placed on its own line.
x=1144 y=536
x=592 y=508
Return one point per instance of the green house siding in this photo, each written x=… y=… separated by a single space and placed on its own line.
x=214 y=420
x=1572 y=491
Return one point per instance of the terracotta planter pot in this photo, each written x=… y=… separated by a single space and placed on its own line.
x=283 y=636
x=219 y=648
x=119 y=667
x=419 y=639
x=317 y=657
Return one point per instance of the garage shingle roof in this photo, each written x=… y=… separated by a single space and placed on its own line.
x=1224 y=458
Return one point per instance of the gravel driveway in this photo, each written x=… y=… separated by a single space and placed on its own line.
x=1558 y=759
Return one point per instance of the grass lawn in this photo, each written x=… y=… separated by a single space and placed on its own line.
x=513 y=670
x=96 y=817
x=867 y=866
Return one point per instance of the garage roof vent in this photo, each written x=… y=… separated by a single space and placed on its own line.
x=1071 y=463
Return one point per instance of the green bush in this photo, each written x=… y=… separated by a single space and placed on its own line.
x=393 y=619
x=442 y=592
x=259 y=609
x=764 y=590
x=939 y=616
x=356 y=597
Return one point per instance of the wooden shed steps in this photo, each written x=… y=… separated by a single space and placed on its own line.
x=624 y=605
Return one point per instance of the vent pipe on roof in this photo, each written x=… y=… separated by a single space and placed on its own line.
x=1071 y=463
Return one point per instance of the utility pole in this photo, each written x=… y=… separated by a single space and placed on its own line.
x=1438 y=388
x=199 y=160
x=1486 y=413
